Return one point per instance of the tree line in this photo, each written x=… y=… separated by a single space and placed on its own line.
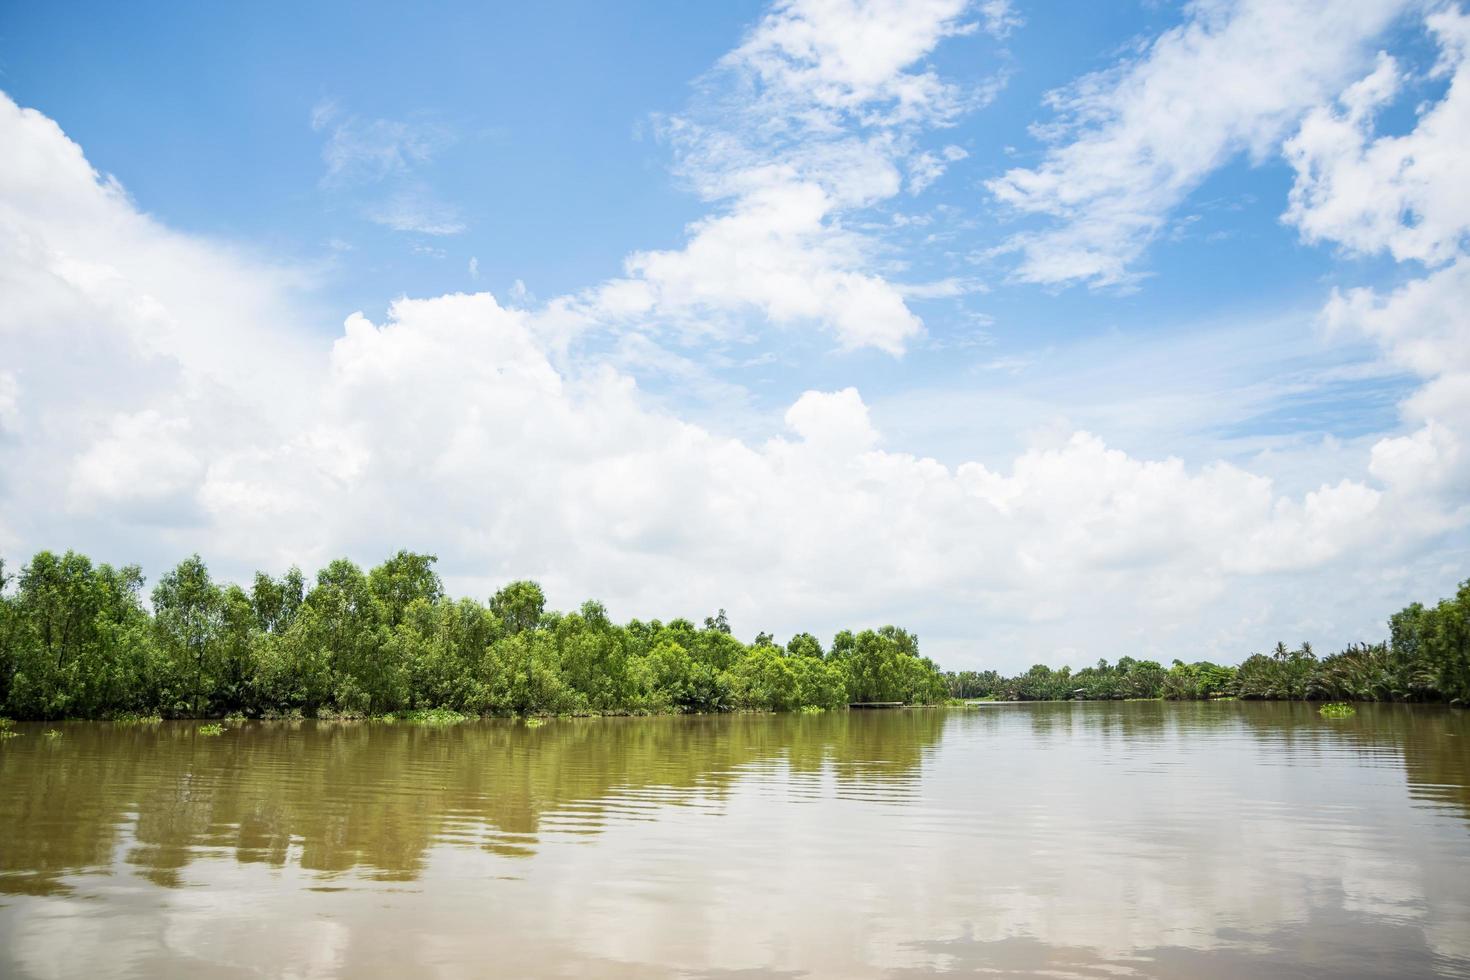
x=77 y=640
x=1426 y=658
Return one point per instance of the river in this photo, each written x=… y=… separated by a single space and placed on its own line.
x=1137 y=839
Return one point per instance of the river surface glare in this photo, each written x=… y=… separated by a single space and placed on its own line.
x=1061 y=840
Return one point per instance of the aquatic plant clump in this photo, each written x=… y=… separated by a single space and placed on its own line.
x=133 y=718
x=213 y=728
x=1337 y=710
x=434 y=716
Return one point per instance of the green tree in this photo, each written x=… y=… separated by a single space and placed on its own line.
x=277 y=601
x=238 y=639
x=718 y=622
x=77 y=639
x=668 y=673
x=820 y=683
x=594 y=658
x=9 y=622
x=188 y=612
x=1198 y=681
x=366 y=677
x=877 y=668
x=804 y=645
x=519 y=605
x=523 y=676
x=1444 y=644
x=402 y=580
x=764 y=679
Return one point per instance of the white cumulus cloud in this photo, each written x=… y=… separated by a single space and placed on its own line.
x=813 y=118
x=1401 y=194
x=196 y=421
x=162 y=393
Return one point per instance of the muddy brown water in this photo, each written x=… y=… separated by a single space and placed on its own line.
x=1061 y=840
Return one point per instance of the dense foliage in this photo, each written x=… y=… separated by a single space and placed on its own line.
x=77 y=640
x=1426 y=658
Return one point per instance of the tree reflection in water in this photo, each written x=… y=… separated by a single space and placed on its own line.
x=337 y=796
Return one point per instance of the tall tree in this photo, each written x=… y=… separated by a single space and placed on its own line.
x=277 y=601
x=402 y=580
x=8 y=621
x=519 y=605
x=804 y=645
x=188 y=610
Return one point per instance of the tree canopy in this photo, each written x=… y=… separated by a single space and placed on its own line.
x=79 y=640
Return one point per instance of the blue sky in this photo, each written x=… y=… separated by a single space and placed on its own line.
x=541 y=108
x=1093 y=275
x=545 y=150
x=549 y=152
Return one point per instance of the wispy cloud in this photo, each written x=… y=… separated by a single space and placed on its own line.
x=1129 y=143
x=382 y=162
x=929 y=166
x=813 y=118
x=414 y=208
x=1000 y=18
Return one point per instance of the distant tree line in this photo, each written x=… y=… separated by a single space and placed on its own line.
x=77 y=640
x=1426 y=658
